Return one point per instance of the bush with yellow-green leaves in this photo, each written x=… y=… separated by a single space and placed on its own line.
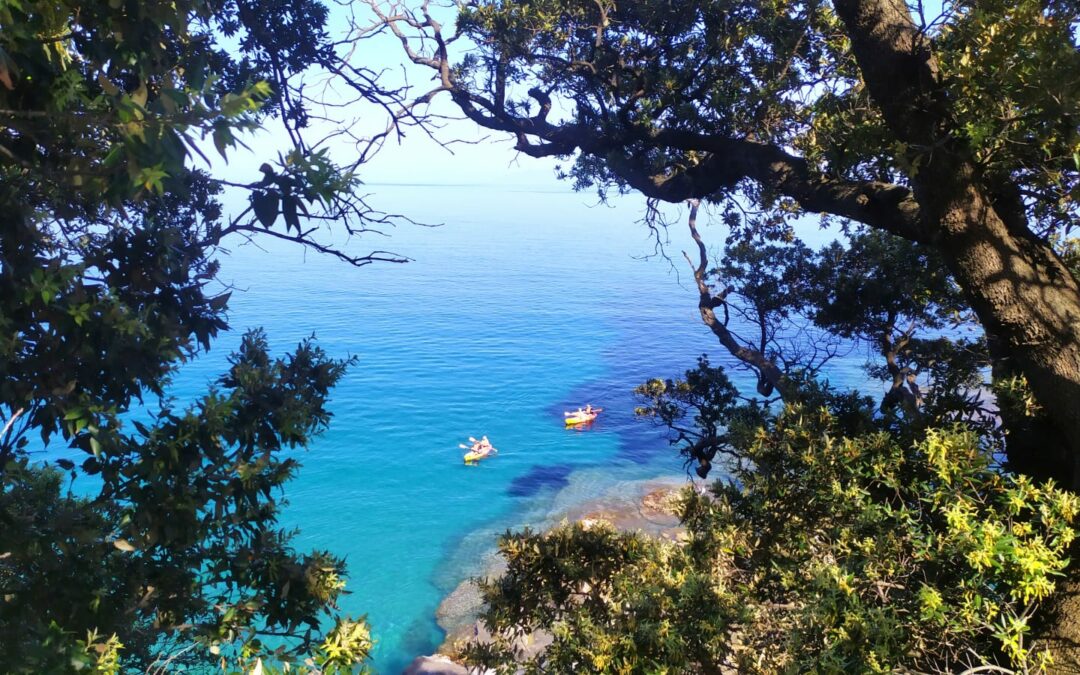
x=828 y=548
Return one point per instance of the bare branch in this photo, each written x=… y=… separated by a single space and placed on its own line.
x=770 y=376
x=724 y=162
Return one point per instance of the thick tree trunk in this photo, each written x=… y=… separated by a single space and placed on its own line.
x=1028 y=302
x=1029 y=305
x=1026 y=299
x=1060 y=629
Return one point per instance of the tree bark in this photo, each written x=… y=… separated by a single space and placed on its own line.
x=1027 y=301
x=770 y=377
x=1059 y=628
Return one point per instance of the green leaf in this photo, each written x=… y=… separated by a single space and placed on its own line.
x=150 y=178
x=265 y=205
x=223 y=139
x=219 y=302
x=140 y=94
x=107 y=86
x=288 y=209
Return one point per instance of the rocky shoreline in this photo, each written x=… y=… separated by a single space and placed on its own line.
x=647 y=506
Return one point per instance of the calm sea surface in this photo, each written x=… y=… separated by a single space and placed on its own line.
x=521 y=305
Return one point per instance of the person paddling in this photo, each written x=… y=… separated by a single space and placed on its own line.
x=582 y=416
x=480 y=447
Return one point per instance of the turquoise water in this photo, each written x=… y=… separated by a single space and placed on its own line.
x=521 y=305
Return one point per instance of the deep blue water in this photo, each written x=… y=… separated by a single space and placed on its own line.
x=521 y=305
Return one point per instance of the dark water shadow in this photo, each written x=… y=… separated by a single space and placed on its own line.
x=541 y=477
x=637 y=441
x=422 y=637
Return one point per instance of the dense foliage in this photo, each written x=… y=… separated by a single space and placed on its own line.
x=137 y=533
x=953 y=125
x=828 y=547
x=916 y=532
x=845 y=534
x=180 y=544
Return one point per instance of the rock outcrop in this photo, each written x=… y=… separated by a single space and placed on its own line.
x=435 y=665
x=647 y=506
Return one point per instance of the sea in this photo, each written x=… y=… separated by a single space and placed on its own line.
x=518 y=304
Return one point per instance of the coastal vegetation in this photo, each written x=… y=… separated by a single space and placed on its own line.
x=166 y=552
x=929 y=530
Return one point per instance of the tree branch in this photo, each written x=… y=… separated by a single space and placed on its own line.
x=724 y=162
x=770 y=376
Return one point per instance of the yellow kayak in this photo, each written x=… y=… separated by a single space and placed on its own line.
x=473 y=455
x=581 y=417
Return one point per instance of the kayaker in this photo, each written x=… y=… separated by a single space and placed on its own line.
x=482 y=446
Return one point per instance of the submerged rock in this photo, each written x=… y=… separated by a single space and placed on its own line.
x=463 y=606
x=525 y=646
x=663 y=500
x=435 y=665
x=649 y=506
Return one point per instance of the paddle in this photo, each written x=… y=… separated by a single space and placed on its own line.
x=581 y=411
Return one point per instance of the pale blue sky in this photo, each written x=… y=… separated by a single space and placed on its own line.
x=418 y=159
x=486 y=158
